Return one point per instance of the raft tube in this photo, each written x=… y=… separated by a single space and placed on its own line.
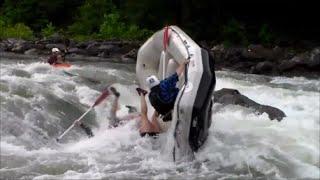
x=191 y=117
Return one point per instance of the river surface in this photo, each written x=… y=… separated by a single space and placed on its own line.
x=39 y=102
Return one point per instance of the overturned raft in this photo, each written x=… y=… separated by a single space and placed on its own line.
x=191 y=119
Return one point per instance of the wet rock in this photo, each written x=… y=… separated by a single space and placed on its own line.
x=314 y=58
x=83 y=45
x=132 y=54
x=93 y=49
x=15 y=41
x=39 y=46
x=232 y=96
x=301 y=60
x=3 y=47
x=104 y=54
x=77 y=51
x=22 y=46
x=262 y=67
x=127 y=60
x=259 y=52
x=107 y=47
x=32 y=51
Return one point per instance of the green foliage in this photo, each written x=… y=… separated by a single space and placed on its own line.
x=113 y=28
x=265 y=35
x=48 y=30
x=19 y=30
x=90 y=16
x=234 y=32
x=37 y=14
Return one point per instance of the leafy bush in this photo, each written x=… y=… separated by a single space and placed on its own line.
x=19 y=30
x=113 y=28
x=48 y=30
x=90 y=16
x=234 y=32
x=265 y=34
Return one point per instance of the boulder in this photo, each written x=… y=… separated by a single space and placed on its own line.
x=259 y=52
x=262 y=67
x=22 y=46
x=314 y=58
x=77 y=51
x=15 y=41
x=104 y=54
x=305 y=60
x=107 y=47
x=232 y=96
x=3 y=47
x=82 y=45
x=93 y=49
x=32 y=51
x=131 y=54
x=125 y=59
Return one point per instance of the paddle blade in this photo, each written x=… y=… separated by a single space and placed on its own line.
x=102 y=97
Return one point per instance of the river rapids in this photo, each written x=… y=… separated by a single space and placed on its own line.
x=39 y=102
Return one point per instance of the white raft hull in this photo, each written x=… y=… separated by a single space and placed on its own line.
x=191 y=117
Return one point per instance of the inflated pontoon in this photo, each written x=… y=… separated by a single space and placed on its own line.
x=191 y=117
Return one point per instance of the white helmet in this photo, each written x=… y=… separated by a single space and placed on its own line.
x=55 y=50
x=152 y=81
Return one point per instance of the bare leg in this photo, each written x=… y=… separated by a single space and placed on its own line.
x=155 y=122
x=114 y=107
x=114 y=120
x=145 y=125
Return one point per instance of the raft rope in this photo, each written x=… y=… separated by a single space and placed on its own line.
x=165 y=45
x=166 y=38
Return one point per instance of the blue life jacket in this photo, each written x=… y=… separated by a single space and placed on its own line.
x=163 y=96
x=161 y=106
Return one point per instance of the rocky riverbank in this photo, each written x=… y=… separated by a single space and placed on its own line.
x=254 y=59
x=114 y=51
x=276 y=61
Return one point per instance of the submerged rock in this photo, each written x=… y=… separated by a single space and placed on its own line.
x=232 y=96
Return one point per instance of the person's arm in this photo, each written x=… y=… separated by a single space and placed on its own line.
x=60 y=59
x=181 y=68
x=172 y=80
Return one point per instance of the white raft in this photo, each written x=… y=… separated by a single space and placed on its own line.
x=191 y=117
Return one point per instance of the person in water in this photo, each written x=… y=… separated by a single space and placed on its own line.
x=163 y=93
x=145 y=126
x=56 y=57
x=86 y=129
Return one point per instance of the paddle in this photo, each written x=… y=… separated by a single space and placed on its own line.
x=104 y=94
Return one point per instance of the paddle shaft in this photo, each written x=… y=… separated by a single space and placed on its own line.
x=73 y=124
x=97 y=102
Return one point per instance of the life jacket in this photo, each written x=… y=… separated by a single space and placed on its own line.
x=53 y=59
x=159 y=105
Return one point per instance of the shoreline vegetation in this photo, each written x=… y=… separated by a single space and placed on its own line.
x=242 y=36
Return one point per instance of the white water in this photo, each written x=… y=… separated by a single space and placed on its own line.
x=39 y=102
